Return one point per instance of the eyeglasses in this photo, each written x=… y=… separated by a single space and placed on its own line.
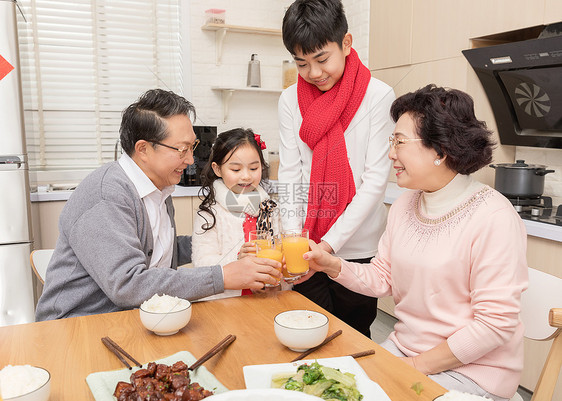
x=393 y=141
x=182 y=151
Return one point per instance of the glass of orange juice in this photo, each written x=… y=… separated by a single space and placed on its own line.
x=273 y=250
x=295 y=245
x=262 y=238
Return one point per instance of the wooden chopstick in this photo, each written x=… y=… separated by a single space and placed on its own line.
x=363 y=353
x=213 y=351
x=310 y=351
x=115 y=352
x=119 y=352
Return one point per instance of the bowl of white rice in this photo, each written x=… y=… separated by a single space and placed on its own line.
x=165 y=315
x=25 y=383
x=454 y=395
x=300 y=329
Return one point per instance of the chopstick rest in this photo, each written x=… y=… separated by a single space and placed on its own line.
x=213 y=351
x=310 y=351
x=119 y=352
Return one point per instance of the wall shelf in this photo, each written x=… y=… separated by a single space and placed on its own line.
x=222 y=29
x=241 y=29
x=227 y=91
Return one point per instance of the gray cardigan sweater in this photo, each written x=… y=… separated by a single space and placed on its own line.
x=105 y=243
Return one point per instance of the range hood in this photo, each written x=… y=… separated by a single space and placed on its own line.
x=523 y=82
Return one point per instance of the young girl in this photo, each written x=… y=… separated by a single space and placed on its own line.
x=234 y=203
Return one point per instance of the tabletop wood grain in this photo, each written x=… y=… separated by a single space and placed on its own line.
x=71 y=348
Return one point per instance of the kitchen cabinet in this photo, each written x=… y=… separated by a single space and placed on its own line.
x=446 y=72
x=184 y=214
x=552 y=11
x=390 y=34
x=45 y=217
x=486 y=17
x=409 y=32
x=439 y=29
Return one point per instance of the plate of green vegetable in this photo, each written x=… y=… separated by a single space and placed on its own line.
x=337 y=379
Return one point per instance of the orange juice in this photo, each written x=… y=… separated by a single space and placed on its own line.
x=294 y=248
x=271 y=253
x=262 y=243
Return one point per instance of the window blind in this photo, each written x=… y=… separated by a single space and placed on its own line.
x=82 y=63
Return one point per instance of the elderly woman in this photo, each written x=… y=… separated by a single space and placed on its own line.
x=453 y=254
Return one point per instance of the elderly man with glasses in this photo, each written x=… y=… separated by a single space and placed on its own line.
x=117 y=245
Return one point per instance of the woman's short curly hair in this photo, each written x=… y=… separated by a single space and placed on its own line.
x=445 y=121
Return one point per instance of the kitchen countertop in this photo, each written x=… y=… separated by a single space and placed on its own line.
x=393 y=191
x=63 y=195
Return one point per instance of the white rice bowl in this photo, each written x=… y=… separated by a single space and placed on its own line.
x=454 y=395
x=24 y=382
x=164 y=304
x=300 y=329
x=165 y=315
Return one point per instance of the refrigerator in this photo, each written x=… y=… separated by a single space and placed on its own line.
x=16 y=280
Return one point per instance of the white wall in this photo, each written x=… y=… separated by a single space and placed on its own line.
x=250 y=110
x=357 y=12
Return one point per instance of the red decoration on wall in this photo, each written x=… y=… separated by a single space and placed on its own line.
x=5 y=67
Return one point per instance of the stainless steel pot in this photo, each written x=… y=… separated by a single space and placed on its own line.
x=520 y=180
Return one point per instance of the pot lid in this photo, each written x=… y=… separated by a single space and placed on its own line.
x=520 y=164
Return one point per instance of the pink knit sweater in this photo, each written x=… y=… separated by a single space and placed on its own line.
x=457 y=275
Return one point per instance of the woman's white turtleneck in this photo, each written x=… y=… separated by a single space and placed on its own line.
x=438 y=203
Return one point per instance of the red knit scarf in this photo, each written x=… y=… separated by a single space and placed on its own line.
x=326 y=116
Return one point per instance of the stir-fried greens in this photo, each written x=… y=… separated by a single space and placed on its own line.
x=321 y=381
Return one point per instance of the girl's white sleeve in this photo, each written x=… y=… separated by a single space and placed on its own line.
x=205 y=244
x=208 y=251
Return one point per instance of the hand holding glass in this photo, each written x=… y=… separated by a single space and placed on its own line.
x=262 y=238
x=295 y=245
x=274 y=251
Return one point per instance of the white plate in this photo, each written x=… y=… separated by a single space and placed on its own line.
x=102 y=384
x=259 y=376
x=260 y=394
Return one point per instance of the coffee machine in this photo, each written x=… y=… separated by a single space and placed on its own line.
x=192 y=174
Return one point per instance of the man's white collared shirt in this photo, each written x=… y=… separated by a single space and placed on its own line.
x=155 y=203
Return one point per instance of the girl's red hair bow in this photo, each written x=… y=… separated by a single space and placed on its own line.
x=259 y=141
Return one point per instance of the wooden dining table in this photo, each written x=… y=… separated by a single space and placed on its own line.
x=71 y=348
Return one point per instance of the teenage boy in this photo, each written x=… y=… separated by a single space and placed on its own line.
x=334 y=128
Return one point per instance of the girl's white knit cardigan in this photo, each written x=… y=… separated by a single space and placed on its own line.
x=221 y=244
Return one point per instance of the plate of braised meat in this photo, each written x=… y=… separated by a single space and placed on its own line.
x=165 y=379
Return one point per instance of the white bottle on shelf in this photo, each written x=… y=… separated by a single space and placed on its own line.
x=254 y=78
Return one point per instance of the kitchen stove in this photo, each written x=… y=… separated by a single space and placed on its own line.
x=538 y=209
